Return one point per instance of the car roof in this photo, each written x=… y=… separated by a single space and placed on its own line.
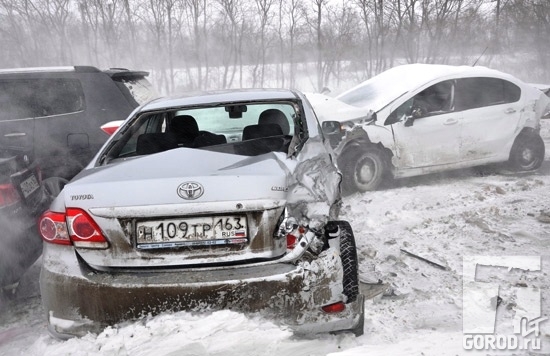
x=421 y=73
x=112 y=72
x=408 y=77
x=414 y=75
x=221 y=96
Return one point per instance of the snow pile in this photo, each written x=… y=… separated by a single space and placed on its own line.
x=182 y=333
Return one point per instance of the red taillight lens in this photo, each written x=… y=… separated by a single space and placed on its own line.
x=111 y=127
x=8 y=194
x=75 y=227
x=83 y=230
x=334 y=308
x=291 y=241
x=294 y=236
x=53 y=228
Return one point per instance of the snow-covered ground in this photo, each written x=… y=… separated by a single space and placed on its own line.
x=441 y=218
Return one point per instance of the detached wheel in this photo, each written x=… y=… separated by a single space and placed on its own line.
x=527 y=152
x=348 y=255
x=363 y=170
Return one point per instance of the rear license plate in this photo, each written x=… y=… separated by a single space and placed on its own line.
x=195 y=231
x=29 y=185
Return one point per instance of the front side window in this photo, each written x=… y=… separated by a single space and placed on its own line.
x=434 y=100
x=248 y=129
x=479 y=92
x=25 y=98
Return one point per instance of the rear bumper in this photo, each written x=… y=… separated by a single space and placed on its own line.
x=78 y=299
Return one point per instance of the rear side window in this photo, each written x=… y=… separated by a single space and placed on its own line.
x=24 y=98
x=479 y=92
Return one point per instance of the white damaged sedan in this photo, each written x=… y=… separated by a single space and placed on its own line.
x=423 y=118
x=222 y=200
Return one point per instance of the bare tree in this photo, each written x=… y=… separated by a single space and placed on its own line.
x=264 y=14
x=197 y=14
x=293 y=13
x=233 y=13
x=315 y=21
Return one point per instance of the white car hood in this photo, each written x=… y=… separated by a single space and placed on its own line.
x=330 y=109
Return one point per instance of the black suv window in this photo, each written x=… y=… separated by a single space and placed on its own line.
x=478 y=92
x=39 y=97
x=136 y=90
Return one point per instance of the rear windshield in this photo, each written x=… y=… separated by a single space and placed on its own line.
x=248 y=129
x=138 y=91
x=23 y=98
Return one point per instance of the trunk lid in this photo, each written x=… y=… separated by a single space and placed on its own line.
x=149 y=195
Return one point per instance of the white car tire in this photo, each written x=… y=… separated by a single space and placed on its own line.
x=527 y=152
x=363 y=170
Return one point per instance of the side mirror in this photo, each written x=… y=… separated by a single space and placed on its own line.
x=409 y=120
x=330 y=127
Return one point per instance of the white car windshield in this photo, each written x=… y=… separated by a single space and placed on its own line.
x=384 y=88
x=376 y=92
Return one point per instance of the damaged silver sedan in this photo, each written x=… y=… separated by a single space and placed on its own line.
x=224 y=200
x=423 y=118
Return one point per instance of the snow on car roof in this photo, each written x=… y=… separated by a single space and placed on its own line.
x=222 y=96
x=382 y=89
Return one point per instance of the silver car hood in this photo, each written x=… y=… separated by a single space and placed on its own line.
x=154 y=179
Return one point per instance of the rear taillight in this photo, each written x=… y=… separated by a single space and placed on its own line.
x=111 y=127
x=334 y=308
x=8 y=194
x=83 y=230
x=294 y=236
x=53 y=228
x=74 y=227
x=291 y=241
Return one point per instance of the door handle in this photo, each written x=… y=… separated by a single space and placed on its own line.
x=510 y=111
x=450 y=122
x=15 y=134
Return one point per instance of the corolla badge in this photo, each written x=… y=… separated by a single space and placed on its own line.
x=190 y=190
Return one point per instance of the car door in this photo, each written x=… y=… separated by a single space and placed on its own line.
x=491 y=113
x=428 y=132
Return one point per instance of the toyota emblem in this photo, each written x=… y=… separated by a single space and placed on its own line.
x=190 y=190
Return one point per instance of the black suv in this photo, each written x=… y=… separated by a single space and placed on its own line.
x=22 y=199
x=58 y=112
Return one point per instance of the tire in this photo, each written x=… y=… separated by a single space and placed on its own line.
x=348 y=255
x=363 y=170
x=527 y=152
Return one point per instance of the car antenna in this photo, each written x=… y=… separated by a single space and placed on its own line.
x=481 y=55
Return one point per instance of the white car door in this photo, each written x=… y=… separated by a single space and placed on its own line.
x=491 y=111
x=428 y=133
